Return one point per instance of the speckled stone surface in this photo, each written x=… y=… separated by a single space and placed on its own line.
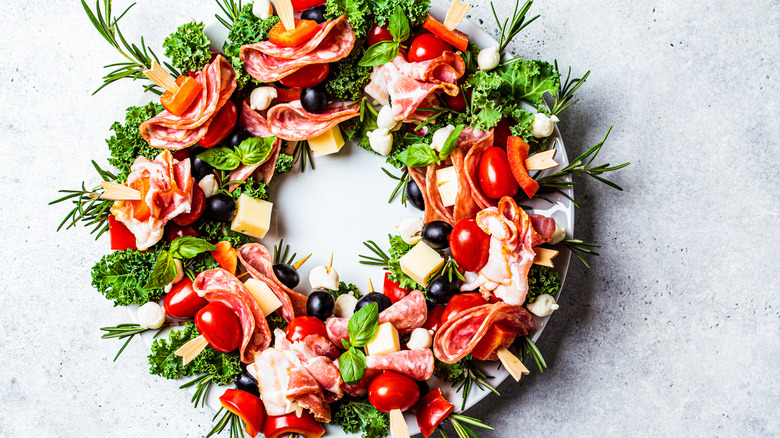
x=673 y=332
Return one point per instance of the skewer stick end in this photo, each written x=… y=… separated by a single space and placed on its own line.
x=512 y=364
x=300 y=262
x=398 y=427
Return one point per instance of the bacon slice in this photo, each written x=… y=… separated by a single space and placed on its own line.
x=407 y=314
x=166 y=131
x=463 y=331
x=290 y=121
x=268 y=62
x=257 y=261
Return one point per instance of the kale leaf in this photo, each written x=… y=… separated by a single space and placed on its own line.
x=450 y=372
x=415 y=10
x=215 y=232
x=398 y=248
x=252 y=187
x=121 y=275
x=358 y=14
x=247 y=29
x=284 y=164
x=529 y=81
x=127 y=144
x=542 y=280
x=345 y=288
x=188 y=47
x=356 y=414
x=347 y=79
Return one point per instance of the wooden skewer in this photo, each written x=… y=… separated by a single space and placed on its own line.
x=544 y=257
x=119 y=192
x=456 y=14
x=160 y=76
x=301 y=262
x=370 y=286
x=192 y=349
x=541 y=161
x=285 y=11
x=398 y=427
x=330 y=263
x=512 y=363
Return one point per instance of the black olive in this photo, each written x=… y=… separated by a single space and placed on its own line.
x=374 y=297
x=436 y=234
x=320 y=304
x=247 y=383
x=314 y=100
x=220 y=207
x=414 y=195
x=287 y=275
x=424 y=388
x=441 y=289
x=238 y=136
x=316 y=13
x=200 y=169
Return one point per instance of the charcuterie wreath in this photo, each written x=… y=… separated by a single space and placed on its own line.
x=467 y=131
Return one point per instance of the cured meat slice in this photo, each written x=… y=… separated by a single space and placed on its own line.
x=321 y=346
x=465 y=205
x=407 y=314
x=444 y=70
x=166 y=131
x=416 y=364
x=432 y=187
x=462 y=332
x=268 y=62
x=272 y=371
x=257 y=261
x=290 y=121
x=418 y=174
x=544 y=227
x=169 y=194
x=474 y=143
x=257 y=125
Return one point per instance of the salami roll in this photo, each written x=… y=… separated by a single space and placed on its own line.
x=257 y=261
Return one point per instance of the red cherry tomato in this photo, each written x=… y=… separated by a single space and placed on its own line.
x=302 y=5
x=302 y=326
x=248 y=407
x=182 y=301
x=121 y=237
x=455 y=103
x=391 y=390
x=198 y=205
x=307 y=77
x=220 y=127
x=469 y=245
x=392 y=290
x=461 y=302
x=288 y=94
x=495 y=175
x=434 y=319
x=377 y=34
x=427 y=46
x=304 y=425
x=173 y=231
x=220 y=326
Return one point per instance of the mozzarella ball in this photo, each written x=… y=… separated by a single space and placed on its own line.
x=261 y=98
x=543 y=126
x=345 y=305
x=440 y=137
x=380 y=141
x=320 y=278
x=151 y=316
x=543 y=306
x=385 y=120
x=488 y=58
x=209 y=185
x=420 y=339
x=262 y=9
x=410 y=229
x=558 y=235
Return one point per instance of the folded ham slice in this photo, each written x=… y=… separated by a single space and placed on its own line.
x=268 y=62
x=257 y=261
x=166 y=131
x=290 y=121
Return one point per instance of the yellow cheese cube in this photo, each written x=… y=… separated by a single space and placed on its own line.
x=253 y=216
x=421 y=262
x=264 y=296
x=449 y=193
x=446 y=175
x=385 y=341
x=326 y=143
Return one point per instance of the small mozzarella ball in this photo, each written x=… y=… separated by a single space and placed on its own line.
x=440 y=137
x=410 y=229
x=488 y=58
x=543 y=126
x=345 y=305
x=321 y=278
x=385 y=120
x=209 y=185
x=262 y=9
x=261 y=98
x=380 y=141
x=558 y=235
x=543 y=306
x=151 y=316
x=181 y=20
x=420 y=339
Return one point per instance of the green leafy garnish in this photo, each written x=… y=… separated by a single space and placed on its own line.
x=356 y=415
x=542 y=280
x=463 y=375
x=284 y=164
x=88 y=208
x=126 y=145
x=513 y=25
x=390 y=262
x=188 y=47
x=121 y=275
x=127 y=331
x=164 y=270
x=416 y=11
x=347 y=79
x=346 y=288
x=422 y=155
x=362 y=328
x=358 y=14
x=386 y=51
x=529 y=80
x=251 y=151
x=257 y=189
x=215 y=232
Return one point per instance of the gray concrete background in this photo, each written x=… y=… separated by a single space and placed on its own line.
x=673 y=332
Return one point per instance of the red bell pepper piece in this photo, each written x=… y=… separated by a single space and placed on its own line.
x=226 y=256
x=431 y=410
x=517 y=153
x=141 y=210
x=392 y=290
x=121 y=237
x=434 y=318
x=248 y=407
x=496 y=337
x=454 y=37
x=302 y=5
x=305 y=425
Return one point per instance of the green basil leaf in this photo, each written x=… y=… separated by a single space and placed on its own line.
x=363 y=325
x=378 y=54
x=399 y=25
x=188 y=247
x=221 y=158
x=163 y=272
x=255 y=150
x=418 y=155
x=452 y=141
x=352 y=365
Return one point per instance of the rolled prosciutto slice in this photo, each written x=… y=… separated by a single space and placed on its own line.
x=290 y=121
x=257 y=261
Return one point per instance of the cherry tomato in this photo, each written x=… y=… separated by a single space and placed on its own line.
x=392 y=290
x=434 y=319
x=306 y=77
x=377 y=34
x=455 y=103
x=121 y=237
x=248 y=407
x=198 y=205
x=495 y=175
x=173 y=231
x=391 y=390
x=304 y=425
x=469 y=245
x=220 y=326
x=501 y=132
x=461 y=302
x=302 y=326
x=427 y=46
x=302 y=5
x=288 y=94
x=182 y=301
x=221 y=126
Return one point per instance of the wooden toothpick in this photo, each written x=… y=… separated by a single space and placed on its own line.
x=512 y=363
x=330 y=263
x=456 y=14
x=192 y=349
x=301 y=262
x=544 y=257
x=285 y=11
x=370 y=286
x=398 y=427
x=541 y=161
x=119 y=192
x=160 y=76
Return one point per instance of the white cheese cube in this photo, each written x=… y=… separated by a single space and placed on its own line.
x=253 y=216
x=421 y=262
x=446 y=175
x=449 y=193
x=385 y=341
x=265 y=297
x=326 y=143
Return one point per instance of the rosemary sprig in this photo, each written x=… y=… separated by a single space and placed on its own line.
x=127 y=331
x=472 y=376
x=564 y=96
x=381 y=259
x=228 y=418
x=581 y=165
x=462 y=430
x=88 y=207
x=578 y=248
x=528 y=348
x=231 y=9
x=301 y=152
x=450 y=269
x=203 y=383
x=511 y=27
x=403 y=180
x=280 y=255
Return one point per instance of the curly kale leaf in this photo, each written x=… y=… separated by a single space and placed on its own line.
x=398 y=248
x=284 y=164
x=347 y=79
x=356 y=414
x=163 y=361
x=523 y=120
x=121 y=275
x=451 y=372
x=247 y=29
x=415 y=10
x=542 y=280
x=215 y=232
x=358 y=14
x=127 y=144
x=345 y=288
x=529 y=81
x=486 y=106
x=188 y=47
x=252 y=187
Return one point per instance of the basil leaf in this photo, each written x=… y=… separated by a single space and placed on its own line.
x=363 y=325
x=221 y=158
x=378 y=54
x=451 y=142
x=352 y=365
x=163 y=272
x=399 y=25
x=187 y=247
x=418 y=155
x=255 y=150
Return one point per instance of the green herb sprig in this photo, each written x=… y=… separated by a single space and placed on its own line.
x=281 y=253
x=164 y=270
x=229 y=420
x=89 y=208
x=403 y=180
x=461 y=429
x=513 y=25
x=564 y=96
x=302 y=153
x=128 y=331
x=528 y=348
x=231 y=9
x=578 y=248
x=202 y=385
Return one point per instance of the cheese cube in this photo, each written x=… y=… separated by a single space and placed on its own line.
x=421 y=262
x=447 y=182
x=265 y=297
x=326 y=143
x=385 y=341
x=446 y=175
x=253 y=216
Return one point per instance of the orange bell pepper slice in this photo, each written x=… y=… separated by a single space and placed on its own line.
x=177 y=103
x=141 y=211
x=304 y=30
x=454 y=37
x=517 y=153
x=498 y=336
x=226 y=256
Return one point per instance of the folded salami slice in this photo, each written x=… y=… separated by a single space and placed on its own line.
x=465 y=205
x=256 y=125
x=290 y=121
x=418 y=174
x=462 y=332
x=268 y=62
x=407 y=314
x=166 y=131
x=415 y=364
x=257 y=261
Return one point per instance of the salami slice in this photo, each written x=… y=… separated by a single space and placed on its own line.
x=465 y=205
x=290 y=121
x=432 y=187
x=257 y=125
x=407 y=314
x=257 y=261
x=418 y=174
x=416 y=364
